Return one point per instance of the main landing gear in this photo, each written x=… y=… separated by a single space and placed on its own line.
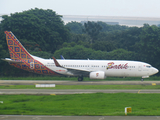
x=80 y=78
x=142 y=80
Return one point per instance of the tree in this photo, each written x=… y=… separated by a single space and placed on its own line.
x=103 y=46
x=76 y=52
x=75 y=27
x=148 y=47
x=109 y=28
x=80 y=52
x=40 y=31
x=44 y=27
x=79 y=37
x=121 y=54
x=92 y=29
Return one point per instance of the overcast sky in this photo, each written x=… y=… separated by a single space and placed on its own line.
x=131 y=8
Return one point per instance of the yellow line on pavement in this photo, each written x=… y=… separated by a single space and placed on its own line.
x=139 y=91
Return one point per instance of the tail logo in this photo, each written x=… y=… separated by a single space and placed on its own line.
x=19 y=53
x=16 y=49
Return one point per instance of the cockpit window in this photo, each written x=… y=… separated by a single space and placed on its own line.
x=148 y=66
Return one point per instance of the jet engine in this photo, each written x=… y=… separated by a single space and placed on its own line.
x=97 y=75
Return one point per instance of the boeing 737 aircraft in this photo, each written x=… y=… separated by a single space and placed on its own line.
x=94 y=69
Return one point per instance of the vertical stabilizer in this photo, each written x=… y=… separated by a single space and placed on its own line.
x=16 y=49
x=21 y=58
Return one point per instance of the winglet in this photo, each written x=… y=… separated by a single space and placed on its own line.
x=56 y=62
x=62 y=57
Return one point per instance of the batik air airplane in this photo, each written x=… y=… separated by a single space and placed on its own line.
x=94 y=69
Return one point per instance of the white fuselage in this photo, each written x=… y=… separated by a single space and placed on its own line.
x=116 y=68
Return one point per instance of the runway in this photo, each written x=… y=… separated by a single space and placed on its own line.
x=66 y=82
x=73 y=91
x=37 y=117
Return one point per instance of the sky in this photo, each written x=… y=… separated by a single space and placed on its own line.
x=125 y=8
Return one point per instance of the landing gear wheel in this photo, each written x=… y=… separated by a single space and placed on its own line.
x=142 y=80
x=80 y=78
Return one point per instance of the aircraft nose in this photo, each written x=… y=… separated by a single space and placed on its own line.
x=155 y=70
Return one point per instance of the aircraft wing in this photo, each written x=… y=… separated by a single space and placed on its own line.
x=75 y=71
x=11 y=61
x=78 y=71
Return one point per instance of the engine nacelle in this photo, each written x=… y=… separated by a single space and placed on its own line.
x=97 y=75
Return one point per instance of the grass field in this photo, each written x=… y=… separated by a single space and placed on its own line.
x=83 y=87
x=80 y=104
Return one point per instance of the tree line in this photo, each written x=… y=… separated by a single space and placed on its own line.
x=44 y=34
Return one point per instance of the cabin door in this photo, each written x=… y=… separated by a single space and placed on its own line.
x=139 y=67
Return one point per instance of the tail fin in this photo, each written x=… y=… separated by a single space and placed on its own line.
x=16 y=49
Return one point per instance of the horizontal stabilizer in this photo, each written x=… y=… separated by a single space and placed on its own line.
x=11 y=61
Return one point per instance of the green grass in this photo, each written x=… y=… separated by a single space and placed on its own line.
x=83 y=87
x=80 y=104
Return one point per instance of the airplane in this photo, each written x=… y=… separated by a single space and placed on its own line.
x=94 y=69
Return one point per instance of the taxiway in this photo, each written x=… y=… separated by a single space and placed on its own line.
x=66 y=82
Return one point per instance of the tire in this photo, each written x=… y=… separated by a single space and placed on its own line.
x=142 y=79
x=80 y=78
